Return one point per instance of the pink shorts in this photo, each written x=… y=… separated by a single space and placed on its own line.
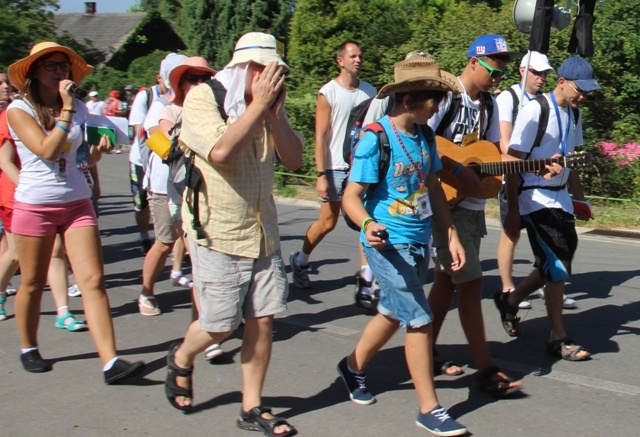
x=42 y=220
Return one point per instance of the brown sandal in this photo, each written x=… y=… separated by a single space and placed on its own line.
x=567 y=350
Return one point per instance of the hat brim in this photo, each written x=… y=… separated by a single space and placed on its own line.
x=19 y=70
x=586 y=85
x=447 y=82
x=258 y=56
x=177 y=96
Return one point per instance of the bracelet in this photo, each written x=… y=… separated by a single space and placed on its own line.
x=71 y=110
x=365 y=222
x=457 y=170
x=63 y=128
x=320 y=173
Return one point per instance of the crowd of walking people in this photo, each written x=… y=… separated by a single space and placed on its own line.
x=202 y=171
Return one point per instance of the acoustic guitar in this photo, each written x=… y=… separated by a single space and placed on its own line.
x=484 y=158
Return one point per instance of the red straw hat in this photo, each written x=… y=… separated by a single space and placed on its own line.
x=19 y=70
x=192 y=63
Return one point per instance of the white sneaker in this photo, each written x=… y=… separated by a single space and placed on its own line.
x=11 y=290
x=567 y=302
x=524 y=305
x=213 y=351
x=74 y=291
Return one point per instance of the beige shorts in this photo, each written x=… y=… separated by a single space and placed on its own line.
x=162 y=222
x=471 y=228
x=231 y=287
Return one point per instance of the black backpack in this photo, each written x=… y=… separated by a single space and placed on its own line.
x=456 y=99
x=355 y=129
x=385 y=159
x=180 y=163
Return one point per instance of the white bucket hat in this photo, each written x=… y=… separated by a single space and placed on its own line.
x=257 y=47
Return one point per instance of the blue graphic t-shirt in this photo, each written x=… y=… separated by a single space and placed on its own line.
x=394 y=202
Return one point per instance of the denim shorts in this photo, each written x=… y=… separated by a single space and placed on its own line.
x=336 y=180
x=400 y=270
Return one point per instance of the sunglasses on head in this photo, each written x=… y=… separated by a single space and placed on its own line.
x=53 y=65
x=194 y=79
x=493 y=72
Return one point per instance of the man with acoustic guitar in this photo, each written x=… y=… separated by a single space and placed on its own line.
x=464 y=119
x=545 y=205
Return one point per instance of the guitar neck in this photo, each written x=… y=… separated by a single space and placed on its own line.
x=509 y=167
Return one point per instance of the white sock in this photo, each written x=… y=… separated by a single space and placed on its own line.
x=63 y=310
x=28 y=349
x=302 y=259
x=366 y=273
x=176 y=273
x=109 y=365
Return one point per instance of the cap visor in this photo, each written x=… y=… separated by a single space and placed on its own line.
x=587 y=85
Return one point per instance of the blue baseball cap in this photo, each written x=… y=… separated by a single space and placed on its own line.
x=580 y=71
x=491 y=45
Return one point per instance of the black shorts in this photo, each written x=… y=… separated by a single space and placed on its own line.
x=553 y=238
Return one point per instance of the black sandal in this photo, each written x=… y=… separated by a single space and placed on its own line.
x=440 y=367
x=171 y=387
x=502 y=303
x=252 y=420
x=499 y=388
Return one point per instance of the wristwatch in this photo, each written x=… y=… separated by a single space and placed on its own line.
x=320 y=173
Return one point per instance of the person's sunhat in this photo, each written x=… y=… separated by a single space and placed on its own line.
x=192 y=63
x=538 y=62
x=93 y=94
x=115 y=94
x=171 y=61
x=19 y=70
x=419 y=73
x=129 y=88
x=257 y=47
x=581 y=72
x=491 y=45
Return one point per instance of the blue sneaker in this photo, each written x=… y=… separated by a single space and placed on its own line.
x=438 y=422
x=356 y=384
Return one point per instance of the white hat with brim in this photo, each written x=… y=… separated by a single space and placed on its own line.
x=257 y=47
x=419 y=73
x=538 y=62
x=93 y=94
x=19 y=70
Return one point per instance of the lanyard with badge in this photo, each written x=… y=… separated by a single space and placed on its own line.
x=424 y=205
x=564 y=138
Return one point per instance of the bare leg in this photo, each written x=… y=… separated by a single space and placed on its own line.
x=470 y=312
x=8 y=262
x=440 y=298
x=142 y=220
x=377 y=332
x=506 y=250
x=35 y=254
x=57 y=277
x=418 y=352
x=85 y=255
x=153 y=264
x=329 y=214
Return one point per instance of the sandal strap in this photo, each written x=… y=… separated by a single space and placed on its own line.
x=254 y=416
x=486 y=373
x=142 y=301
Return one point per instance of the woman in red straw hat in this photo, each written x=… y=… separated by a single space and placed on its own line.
x=53 y=197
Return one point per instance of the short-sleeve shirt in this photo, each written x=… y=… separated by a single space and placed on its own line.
x=7 y=188
x=44 y=182
x=394 y=201
x=237 y=208
x=157 y=172
x=466 y=122
x=524 y=133
x=341 y=101
x=137 y=113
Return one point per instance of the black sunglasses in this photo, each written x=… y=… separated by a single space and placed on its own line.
x=52 y=65
x=194 y=79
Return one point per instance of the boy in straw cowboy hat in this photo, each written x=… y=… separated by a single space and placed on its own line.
x=396 y=226
x=237 y=263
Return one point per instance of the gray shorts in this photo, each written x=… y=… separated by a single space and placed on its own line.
x=471 y=228
x=231 y=287
x=162 y=221
x=337 y=182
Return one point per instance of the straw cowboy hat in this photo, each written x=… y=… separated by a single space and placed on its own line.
x=419 y=73
x=192 y=63
x=19 y=70
x=258 y=47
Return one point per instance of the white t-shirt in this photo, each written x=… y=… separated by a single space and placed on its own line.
x=463 y=123
x=157 y=172
x=96 y=108
x=505 y=102
x=44 y=182
x=341 y=101
x=137 y=114
x=524 y=133
x=172 y=113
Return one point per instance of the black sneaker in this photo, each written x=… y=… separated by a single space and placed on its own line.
x=145 y=245
x=356 y=384
x=33 y=362
x=122 y=370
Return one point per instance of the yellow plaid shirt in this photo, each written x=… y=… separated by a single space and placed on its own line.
x=237 y=209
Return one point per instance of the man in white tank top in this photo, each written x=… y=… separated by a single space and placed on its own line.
x=335 y=101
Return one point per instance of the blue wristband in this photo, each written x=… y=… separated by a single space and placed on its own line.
x=457 y=170
x=64 y=128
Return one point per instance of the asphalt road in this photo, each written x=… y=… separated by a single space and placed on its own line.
x=594 y=398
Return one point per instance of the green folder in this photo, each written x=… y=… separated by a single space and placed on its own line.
x=94 y=133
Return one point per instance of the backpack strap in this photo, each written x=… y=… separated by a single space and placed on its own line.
x=451 y=112
x=516 y=105
x=220 y=93
x=488 y=105
x=385 y=154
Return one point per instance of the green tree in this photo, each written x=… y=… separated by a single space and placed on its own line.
x=22 y=24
